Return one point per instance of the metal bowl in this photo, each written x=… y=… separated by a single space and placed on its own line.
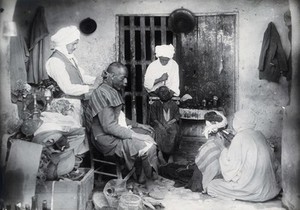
x=88 y=26
x=181 y=21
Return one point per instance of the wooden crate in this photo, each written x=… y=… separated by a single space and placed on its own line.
x=67 y=195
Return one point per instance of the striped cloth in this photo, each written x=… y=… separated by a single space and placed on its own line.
x=103 y=96
x=207 y=160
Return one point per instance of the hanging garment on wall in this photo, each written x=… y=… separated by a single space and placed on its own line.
x=18 y=59
x=272 y=61
x=38 y=48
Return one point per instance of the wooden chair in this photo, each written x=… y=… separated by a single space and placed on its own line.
x=101 y=163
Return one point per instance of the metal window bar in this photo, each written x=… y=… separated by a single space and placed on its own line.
x=139 y=30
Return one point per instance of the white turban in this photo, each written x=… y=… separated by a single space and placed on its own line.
x=65 y=36
x=212 y=128
x=165 y=51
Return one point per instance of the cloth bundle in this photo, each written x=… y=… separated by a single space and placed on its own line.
x=58 y=151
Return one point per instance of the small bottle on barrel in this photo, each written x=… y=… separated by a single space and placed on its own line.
x=44 y=205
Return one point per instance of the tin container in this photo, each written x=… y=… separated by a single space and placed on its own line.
x=204 y=104
x=215 y=101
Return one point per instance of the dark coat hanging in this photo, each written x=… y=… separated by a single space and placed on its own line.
x=38 y=48
x=272 y=61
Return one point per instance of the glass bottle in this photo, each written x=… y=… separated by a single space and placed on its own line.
x=18 y=206
x=44 y=205
x=36 y=111
x=25 y=111
x=47 y=95
x=34 y=203
x=215 y=101
x=27 y=207
x=204 y=104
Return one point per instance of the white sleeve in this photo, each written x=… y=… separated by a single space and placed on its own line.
x=87 y=79
x=56 y=70
x=231 y=160
x=173 y=83
x=149 y=78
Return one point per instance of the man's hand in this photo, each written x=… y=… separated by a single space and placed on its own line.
x=160 y=125
x=171 y=121
x=143 y=137
x=164 y=77
x=97 y=82
x=220 y=141
x=146 y=127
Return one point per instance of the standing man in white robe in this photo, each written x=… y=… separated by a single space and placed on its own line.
x=164 y=71
x=73 y=83
x=63 y=68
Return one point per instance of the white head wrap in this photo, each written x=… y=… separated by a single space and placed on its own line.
x=165 y=51
x=244 y=119
x=65 y=36
x=210 y=128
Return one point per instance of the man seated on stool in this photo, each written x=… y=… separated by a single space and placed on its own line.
x=111 y=138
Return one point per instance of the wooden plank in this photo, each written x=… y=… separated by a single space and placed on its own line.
x=152 y=38
x=143 y=40
x=213 y=36
x=212 y=60
x=229 y=49
x=143 y=64
x=175 y=40
x=132 y=63
x=163 y=30
x=191 y=68
x=121 y=40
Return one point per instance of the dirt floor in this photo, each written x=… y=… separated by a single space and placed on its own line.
x=169 y=197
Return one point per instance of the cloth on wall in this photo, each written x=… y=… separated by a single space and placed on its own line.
x=272 y=61
x=19 y=56
x=38 y=48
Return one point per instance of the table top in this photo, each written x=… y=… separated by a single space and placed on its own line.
x=195 y=114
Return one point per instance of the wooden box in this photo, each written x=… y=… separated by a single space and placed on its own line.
x=67 y=195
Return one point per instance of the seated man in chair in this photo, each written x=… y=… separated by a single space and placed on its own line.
x=113 y=138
